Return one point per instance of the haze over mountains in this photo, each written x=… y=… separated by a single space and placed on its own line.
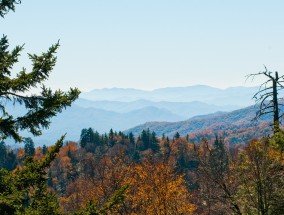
x=122 y=109
x=238 y=96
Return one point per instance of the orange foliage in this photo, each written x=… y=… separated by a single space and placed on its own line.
x=156 y=189
x=21 y=154
x=38 y=154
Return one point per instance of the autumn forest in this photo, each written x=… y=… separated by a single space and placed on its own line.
x=239 y=170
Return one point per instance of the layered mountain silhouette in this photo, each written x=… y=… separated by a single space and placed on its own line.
x=239 y=124
x=238 y=96
x=167 y=110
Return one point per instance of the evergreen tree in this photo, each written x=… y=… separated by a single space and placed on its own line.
x=3 y=154
x=131 y=138
x=177 y=135
x=97 y=138
x=11 y=160
x=154 y=142
x=145 y=138
x=111 y=137
x=29 y=147
x=7 y=5
x=24 y=190
x=91 y=135
x=86 y=136
x=39 y=108
x=44 y=149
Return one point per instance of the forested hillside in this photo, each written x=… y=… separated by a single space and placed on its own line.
x=237 y=126
x=222 y=163
x=160 y=175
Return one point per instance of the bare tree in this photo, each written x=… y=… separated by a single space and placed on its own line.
x=267 y=96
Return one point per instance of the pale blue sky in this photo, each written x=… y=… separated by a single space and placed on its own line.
x=150 y=44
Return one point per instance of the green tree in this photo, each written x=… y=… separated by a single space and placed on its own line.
x=3 y=154
x=7 y=5
x=177 y=136
x=44 y=149
x=24 y=190
x=29 y=147
x=154 y=142
x=39 y=108
x=131 y=138
x=260 y=171
x=85 y=137
x=11 y=160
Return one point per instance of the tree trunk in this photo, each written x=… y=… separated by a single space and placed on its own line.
x=275 y=105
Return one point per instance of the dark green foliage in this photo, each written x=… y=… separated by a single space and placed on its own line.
x=24 y=190
x=44 y=149
x=6 y=5
x=40 y=108
x=3 y=154
x=149 y=141
x=177 y=136
x=109 y=208
x=131 y=138
x=8 y=159
x=29 y=147
x=85 y=137
x=145 y=138
x=90 y=140
x=154 y=143
x=11 y=161
x=111 y=138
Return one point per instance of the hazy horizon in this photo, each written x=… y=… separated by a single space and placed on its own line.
x=150 y=44
x=145 y=89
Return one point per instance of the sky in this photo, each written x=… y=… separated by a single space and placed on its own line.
x=150 y=44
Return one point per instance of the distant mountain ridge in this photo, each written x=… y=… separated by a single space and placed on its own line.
x=183 y=109
x=238 y=96
x=237 y=121
x=75 y=118
x=137 y=107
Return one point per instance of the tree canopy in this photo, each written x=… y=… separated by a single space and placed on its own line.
x=39 y=108
x=6 y=5
x=24 y=190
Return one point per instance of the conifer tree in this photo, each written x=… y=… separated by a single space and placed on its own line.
x=29 y=147
x=7 y=5
x=18 y=90
x=24 y=190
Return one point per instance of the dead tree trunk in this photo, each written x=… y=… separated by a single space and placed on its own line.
x=267 y=97
x=275 y=104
